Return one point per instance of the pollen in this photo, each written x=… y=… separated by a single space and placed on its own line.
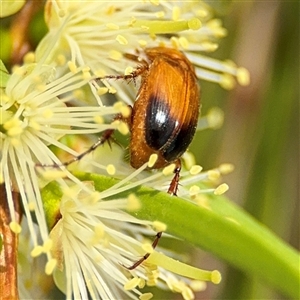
x=221 y=189
x=196 y=169
x=152 y=160
x=243 y=76
x=86 y=75
x=112 y=90
x=99 y=231
x=213 y=175
x=134 y=203
x=47 y=246
x=13 y=127
x=99 y=119
x=159 y=226
x=79 y=94
x=174 y=41
x=215 y=118
x=152 y=278
x=14 y=131
x=209 y=46
x=216 y=277
x=102 y=91
x=34 y=125
x=168 y=170
x=184 y=43
x=189 y=159
x=175 y=13
x=31 y=205
x=216 y=26
x=160 y=14
x=226 y=168
x=15 y=142
x=194 y=24
x=72 y=67
x=112 y=26
x=53 y=174
x=194 y=190
x=123 y=128
x=50 y=266
x=36 y=251
x=155 y=2
x=115 y=55
x=188 y=294
x=15 y=227
x=29 y=58
x=227 y=82
x=142 y=283
x=47 y=113
x=111 y=169
x=128 y=70
x=100 y=73
x=142 y=43
x=147 y=247
x=121 y=39
x=146 y=296
x=125 y=111
x=61 y=60
x=197 y=285
x=131 y=284
x=118 y=105
x=202 y=13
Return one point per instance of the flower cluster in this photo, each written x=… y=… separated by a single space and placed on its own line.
x=91 y=236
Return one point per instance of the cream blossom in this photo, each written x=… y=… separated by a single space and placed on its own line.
x=58 y=93
x=100 y=33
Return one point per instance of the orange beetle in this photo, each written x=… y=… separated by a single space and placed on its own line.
x=165 y=114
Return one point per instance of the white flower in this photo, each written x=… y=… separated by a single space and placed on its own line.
x=94 y=241
x=34 y=115
x=92 y=238
x=99 y=33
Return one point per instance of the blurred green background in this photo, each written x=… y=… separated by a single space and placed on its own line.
x=260 y=135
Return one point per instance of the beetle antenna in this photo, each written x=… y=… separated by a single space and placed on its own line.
x=106 y=137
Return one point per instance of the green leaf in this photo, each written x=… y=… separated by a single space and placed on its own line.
x=4 y=75
x=221 y=228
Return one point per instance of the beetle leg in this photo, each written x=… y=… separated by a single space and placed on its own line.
x=106 y=137
x=173 y=188
x=141 y=260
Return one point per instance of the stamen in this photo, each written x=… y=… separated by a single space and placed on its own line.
x=146 y=296
x=112 y=26
x=121 y=39
x=196 y=169
x=36 y=251
x=50 y=266
x=134 y=203
x=132 y=283
x=15 y=227
x=168 y=170
x=226 y=168
x=152 y=160
x=163 y=27
x=221 y=189
x=111 y=169
x=159 y=226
